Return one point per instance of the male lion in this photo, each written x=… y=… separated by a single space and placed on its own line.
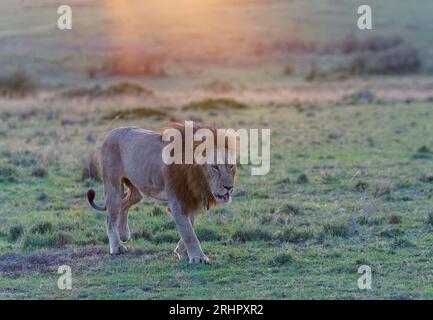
x=132 y=157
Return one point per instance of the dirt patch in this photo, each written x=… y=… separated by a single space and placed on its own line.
x=44 y=260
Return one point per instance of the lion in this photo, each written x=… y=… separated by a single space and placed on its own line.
x=132 y=157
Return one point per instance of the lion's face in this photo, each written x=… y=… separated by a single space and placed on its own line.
x=221 y=182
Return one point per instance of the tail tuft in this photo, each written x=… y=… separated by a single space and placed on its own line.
x=91 y=198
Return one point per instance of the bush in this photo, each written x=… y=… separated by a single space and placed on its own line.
x=42 y=228
x=295 y=235
x=138 y=63
x=8 y=172
x=90 y=169
x=394 y=219
x=218 y=86
x=61 y=238
x=303 y=178
x=399 y=60
x=15 y=232
x=39 y=171
x=17 y=84
x=127 y=88
x=140 y=112
x=214 y=104
x=430 y=218
x=281 y=259
x=351 y=44
x=381 y=188
x=338 y=229
x=290 y=209
x=361 y=96
x=142 y=234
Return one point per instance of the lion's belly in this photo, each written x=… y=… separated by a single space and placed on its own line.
x=142 y=163
x=154 y=194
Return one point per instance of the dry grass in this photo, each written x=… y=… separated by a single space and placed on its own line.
x=382 y=187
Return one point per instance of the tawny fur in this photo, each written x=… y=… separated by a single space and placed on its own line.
x=132 y=158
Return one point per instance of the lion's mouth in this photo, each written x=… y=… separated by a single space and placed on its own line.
x=225 y=198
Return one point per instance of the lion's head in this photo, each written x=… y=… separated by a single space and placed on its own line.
x=203 y=185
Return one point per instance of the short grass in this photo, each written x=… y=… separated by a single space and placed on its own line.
x=349 y=185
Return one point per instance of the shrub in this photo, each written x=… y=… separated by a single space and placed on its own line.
x=360 y=96
x=338 y=229
x=281 y=259
x=295 y=235
x=303 y=178
x=140 y=112
x=351 y=44
x=218 y=86
x=90 y=168
x=17 y=84
x=312 y=73
x=15 y=232
x=127 y=88
x=39 y=171
x=137 y=63
x=42 y=228
x=142 y=234
x=290 y=209
x=399 y=60
x=381 y=188
x=96 y=91
x=288 y=70
x=394 y=219
x=8 y=172
x=426 y=177
x=213 y=104
x=61 y=238
x=361 y=185
x=430 y=218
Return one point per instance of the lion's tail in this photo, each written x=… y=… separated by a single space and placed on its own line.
x=91 y=197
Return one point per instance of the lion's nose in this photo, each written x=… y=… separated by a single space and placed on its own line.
x=228 y=188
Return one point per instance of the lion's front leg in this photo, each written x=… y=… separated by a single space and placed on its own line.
x=180 y=249
x=188 y=236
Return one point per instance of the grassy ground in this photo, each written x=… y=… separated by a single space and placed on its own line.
x=350 y=184
x=351 y=180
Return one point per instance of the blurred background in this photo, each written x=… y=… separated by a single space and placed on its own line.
x=216 y=45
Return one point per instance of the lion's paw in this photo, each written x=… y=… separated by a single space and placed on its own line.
x=199 y=259
x=118 y=250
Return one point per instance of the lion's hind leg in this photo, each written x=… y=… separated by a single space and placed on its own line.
x=131 y=197
x=113 y=196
